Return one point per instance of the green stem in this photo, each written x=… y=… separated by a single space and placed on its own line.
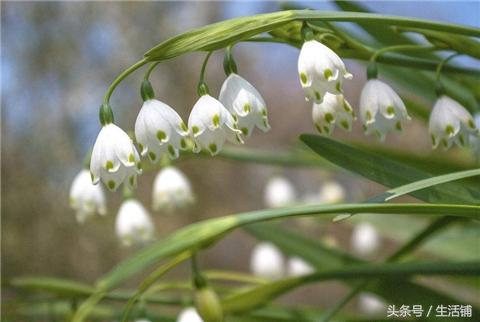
x=402 y=48
x=151 y=279
x=439 y=69
x=202 y=86
x=121 y=77
x=150 y=69
x=413 y=244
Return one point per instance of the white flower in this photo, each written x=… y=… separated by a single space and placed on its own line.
x=296 y=266
x=114 y=158
x=189 y=315
x=334 y=109
x=371 y=304
x=381 y=109
x=86 y=198
x=279 y=192
x=332 y=192
x=245 y=103
x=133 y=224
x=365 y=240
x=210 y=124
x=171 y=190
x=159 y=130
x=320 y=70
x=267 y=261
x=450 y=122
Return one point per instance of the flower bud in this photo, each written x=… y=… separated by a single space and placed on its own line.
x=208 y=305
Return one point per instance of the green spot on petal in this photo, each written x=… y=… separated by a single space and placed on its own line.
x=444 y=143
x=183 y=143
x=368 y=116
x=246 y=108
x=319 y=128
x=161 y=136
x=449 y=130
x=140 y=145
x=346 y=107
x=398 y=126
x=171 y=150
x=434 y=141
x=338 y=87
x=109 y=165
x=329 y=117
x=216 y=120
x=303 y=78
x=183 y=127
x=195 y=129
x=327 y=73
x=390 y=110
x=317 y=96
x=131 y=157
x=461 y=139
x=152 y=155
x=245 y=131
x=212 y=147
x=131 y=180
x=471 y=124
x=264 y=112
x=344 y=124
x=111 y=184
x=326 y=129
x=139 y=166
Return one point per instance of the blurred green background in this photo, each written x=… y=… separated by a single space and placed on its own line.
x=58 y=59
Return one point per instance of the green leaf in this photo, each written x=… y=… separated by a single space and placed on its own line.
x=57 y=286
x=204 y=233
x=425 y=183
x=389 y=172
x=252 y=298
x=222 y=34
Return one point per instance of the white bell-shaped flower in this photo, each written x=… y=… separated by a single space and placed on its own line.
x=332 y=192
x=381 y=109
x=210 y=124
x=86 y=198
x=245 y=103
x=450 y=122
x=320 y=70
x=334 y=109
x=267 y=261
x=365 y=241
x=297 y=266
x=279 y=192
x=189 y=314
x=159 y=130
x=371 y=304
x=171 y=190
x=114 y=158
x=133 y=223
